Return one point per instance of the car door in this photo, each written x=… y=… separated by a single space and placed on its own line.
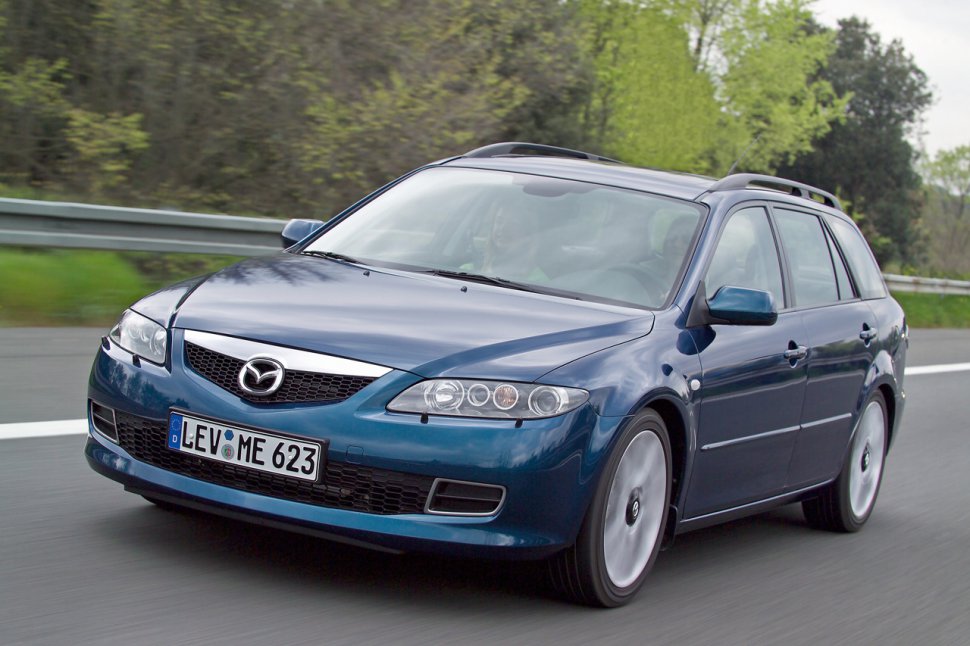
x=753 y=378
x=838 y=325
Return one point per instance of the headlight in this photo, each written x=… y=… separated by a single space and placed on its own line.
x=497 y=399
x=140 y=336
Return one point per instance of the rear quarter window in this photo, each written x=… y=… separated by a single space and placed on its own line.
x=863 y=266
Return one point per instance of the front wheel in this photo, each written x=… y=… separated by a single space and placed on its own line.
x=623 y=529
x=846 y=504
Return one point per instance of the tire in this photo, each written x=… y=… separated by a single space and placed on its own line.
x=846 y=504
x=624 y=526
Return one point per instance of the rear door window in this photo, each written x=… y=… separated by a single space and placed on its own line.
x=812 y=268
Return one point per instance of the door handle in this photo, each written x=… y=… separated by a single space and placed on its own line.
x=796 y=353
x=868 y=333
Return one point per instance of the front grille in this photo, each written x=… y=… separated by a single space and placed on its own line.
x=344 y=486
x=297 y=386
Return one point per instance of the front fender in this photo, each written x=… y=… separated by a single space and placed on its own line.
x=653 y=371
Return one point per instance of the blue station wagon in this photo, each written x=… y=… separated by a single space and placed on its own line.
x=522 y=352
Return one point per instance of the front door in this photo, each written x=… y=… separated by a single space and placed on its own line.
x=753 y=381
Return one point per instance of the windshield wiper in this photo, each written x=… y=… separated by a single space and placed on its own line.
x=488 y=280
x=331 y=255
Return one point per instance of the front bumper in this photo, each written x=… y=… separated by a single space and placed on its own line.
x=546 y=467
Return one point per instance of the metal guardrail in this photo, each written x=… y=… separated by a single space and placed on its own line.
x=917 y=284
x=32 y=223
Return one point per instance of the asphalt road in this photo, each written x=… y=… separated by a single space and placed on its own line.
x=44 y=372
x=82 y=562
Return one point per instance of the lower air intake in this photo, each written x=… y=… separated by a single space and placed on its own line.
x=457 y=498
x=104 y=420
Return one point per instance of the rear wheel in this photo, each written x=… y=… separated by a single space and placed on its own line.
x=623 y=529
x=846 y=504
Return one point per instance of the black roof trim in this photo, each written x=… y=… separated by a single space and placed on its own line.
x=746 y=180
x=513 y=148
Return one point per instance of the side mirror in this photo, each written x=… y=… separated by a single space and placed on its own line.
x=732 y=306
x=296 y=230
x=743 y=306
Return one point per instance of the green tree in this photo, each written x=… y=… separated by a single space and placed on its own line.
x=217 y=84
x=46 y=136
x=33 y=112
x=950 y=170
x=104 y=146
x=945 y=212
x=539 y=46
x=649 y=105
x=697 y=84
x=866 y=159
x=775 y=101
x=450 y=75
x=290 y=108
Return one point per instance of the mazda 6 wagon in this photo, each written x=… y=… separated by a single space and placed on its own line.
x=521 y=352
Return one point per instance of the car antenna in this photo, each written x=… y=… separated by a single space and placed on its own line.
x=743 y=153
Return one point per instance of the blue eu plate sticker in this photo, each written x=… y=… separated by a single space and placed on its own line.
x=175 y=431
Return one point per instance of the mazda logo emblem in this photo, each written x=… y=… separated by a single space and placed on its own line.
x=261 y=377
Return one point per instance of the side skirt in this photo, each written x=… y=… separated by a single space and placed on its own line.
x=757 y=507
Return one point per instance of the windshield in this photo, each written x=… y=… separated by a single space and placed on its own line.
x=557 y=236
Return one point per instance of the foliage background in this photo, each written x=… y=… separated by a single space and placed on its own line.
x=295 y=108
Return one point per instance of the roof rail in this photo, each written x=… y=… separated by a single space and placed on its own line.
x=524 y=148
x=744 y=180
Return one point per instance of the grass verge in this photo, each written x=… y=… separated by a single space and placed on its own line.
x=935 y=310
x=44 y=287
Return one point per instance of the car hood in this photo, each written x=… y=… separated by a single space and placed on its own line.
x=424 y=324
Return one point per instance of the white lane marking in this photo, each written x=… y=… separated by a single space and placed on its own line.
x=80 y=426
x=932 y=370
x=43 y=429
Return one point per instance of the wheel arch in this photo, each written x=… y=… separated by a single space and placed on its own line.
x=884 y=377
x=889 y=396
x=675 y=413
x=674 y=419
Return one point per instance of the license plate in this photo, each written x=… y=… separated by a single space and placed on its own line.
x=245 y=447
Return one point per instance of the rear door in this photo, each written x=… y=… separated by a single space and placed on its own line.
x=839 y=328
